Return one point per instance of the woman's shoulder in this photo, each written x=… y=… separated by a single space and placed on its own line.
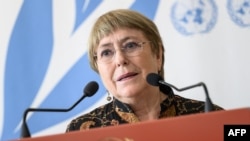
x=90 y=119
x=192 y=105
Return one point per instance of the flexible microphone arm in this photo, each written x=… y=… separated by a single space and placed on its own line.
x=208 y=102
x=25 y=129
x=155 y=79
x=89 y=90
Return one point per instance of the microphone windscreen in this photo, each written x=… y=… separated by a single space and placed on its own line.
x=153 y=79
x=91 y=88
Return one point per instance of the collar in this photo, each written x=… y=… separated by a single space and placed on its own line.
x=127 y=114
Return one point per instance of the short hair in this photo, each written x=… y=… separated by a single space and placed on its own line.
x=124 y=18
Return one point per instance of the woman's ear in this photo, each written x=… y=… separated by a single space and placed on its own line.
x=159 y=57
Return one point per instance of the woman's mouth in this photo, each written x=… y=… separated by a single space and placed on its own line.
x=126 y=76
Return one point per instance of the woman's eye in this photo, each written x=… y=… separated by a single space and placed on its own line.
x=106 y=53
x=131 y=45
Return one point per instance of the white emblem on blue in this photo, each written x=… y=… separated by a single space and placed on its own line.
x=194 y=16
x=46 y=61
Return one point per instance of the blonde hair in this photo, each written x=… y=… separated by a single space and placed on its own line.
x=124 y=18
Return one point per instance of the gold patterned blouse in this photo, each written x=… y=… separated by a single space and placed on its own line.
x=116 y=112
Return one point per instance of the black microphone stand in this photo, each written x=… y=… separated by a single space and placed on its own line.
x=208 y=102
x=25 y=129
x=89 y=90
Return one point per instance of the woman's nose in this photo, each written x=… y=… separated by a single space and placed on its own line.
x=120 y=58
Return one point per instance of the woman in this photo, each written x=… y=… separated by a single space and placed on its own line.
x=124 y=47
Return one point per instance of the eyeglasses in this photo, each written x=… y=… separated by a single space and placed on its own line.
x=129 y=49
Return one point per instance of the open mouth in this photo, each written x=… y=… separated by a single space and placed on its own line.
x=126 y=76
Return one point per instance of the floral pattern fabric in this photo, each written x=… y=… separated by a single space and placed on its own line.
x=116 y=112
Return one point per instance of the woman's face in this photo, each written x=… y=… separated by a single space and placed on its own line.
x=125 y=76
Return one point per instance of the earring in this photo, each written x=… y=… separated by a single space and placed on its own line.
x=108 y=97
x=159 y=72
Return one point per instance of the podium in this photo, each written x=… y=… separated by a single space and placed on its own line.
x=201 y=126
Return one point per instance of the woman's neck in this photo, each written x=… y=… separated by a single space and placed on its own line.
x=148 y=107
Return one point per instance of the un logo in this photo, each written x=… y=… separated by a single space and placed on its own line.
x=194 y=16
x=239 y=11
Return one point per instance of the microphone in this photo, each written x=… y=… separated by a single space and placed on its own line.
x=89 y=90
x=155 y=80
